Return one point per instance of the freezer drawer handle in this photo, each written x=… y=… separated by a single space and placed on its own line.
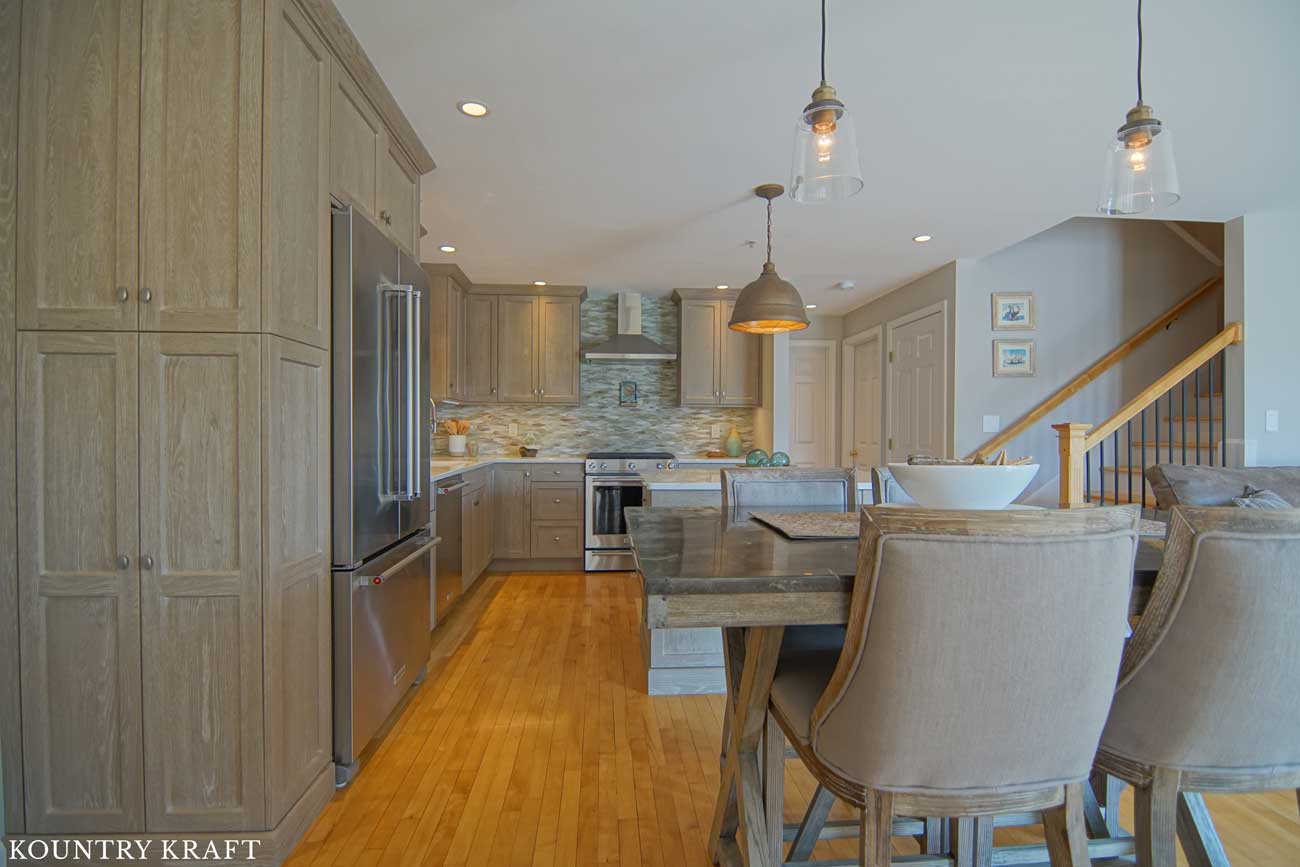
x=451 y=489
x=382 y=578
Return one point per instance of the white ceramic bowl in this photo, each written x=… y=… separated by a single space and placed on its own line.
x=957 y=486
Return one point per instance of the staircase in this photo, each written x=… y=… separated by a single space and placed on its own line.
x=1178 y=419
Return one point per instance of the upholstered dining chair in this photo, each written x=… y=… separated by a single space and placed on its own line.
x=1209 y=689
x=1012 y=624
x=886 y=489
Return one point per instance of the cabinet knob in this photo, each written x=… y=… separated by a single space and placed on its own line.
x=557 y=472
x=557 y=499
x=556 y=538
x=124 y=562
x=123 y=294
x=146 y=295
x=146 y=562
x=724 y=394
x=527 y=474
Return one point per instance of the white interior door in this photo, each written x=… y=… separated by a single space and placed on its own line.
x=864 y=410
x=812 y=403
x=917 y=387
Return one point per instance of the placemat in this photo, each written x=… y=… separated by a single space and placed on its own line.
x=844 y=525
x=811 y=525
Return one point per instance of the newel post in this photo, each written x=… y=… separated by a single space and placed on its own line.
x=1071 y=448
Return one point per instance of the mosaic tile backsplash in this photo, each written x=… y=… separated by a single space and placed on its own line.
x=600 y=424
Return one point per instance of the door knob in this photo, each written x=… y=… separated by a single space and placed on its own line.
x=123 y=562
x=146 y=562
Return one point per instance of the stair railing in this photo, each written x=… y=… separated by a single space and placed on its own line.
x=1105 y=363
x=1078 y=442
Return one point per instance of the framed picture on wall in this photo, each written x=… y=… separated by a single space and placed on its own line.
x=1013 y=311
x=627 y=393
x=1013 y=358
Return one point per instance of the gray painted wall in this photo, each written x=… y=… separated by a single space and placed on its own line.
x=938 y=286
x=1095 y=282
x=1262 y=287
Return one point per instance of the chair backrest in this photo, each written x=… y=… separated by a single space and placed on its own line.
x=1211 y=678
x=747 y=487
x=982 y=648
x=886 y=489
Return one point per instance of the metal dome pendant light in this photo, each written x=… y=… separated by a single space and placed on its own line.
x=769 y=305
x=1140 y=172
x=825 y=165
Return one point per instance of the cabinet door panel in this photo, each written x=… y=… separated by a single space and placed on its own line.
x=201 y=606
x=79 y=605
x=479 y=378
x=296 y=251
x=356 y=137
x=78 y=165
x=399 y=198
x=558 y=370
x=455 y=340
x=517 y=348
x=511 y=512
x=698 y=370
x=741 y=363
x=200 y=165
x=296 y=568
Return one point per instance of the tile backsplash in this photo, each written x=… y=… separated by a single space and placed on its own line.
x=599 y=423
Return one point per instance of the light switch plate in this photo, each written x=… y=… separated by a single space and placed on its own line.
x=1270 y=420
x=992 y=423
x=717 y=430
x=513 y=430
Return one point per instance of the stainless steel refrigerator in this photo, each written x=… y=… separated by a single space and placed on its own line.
x=382 y=522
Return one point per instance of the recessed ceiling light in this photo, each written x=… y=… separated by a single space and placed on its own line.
x=539 y=282
x=722 y=286
x=810 y=307
x=447 y=248
x=471 y=108
x=921 y=239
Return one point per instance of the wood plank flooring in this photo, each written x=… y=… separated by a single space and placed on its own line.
x=533 y=743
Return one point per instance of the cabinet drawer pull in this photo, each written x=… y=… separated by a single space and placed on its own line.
x=557 y=499
x=557 y=538
x=123 y=294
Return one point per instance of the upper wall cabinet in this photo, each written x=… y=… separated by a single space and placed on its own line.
x=200 y=166
x=446 y=305
x=78 y=165
x=356 y=139
x=296 y=265
x=716 y=366
x=536 y=336
x=399 y=198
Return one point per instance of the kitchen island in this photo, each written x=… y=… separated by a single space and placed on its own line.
x=702 y=486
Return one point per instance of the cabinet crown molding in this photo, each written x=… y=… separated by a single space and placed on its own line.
x=440 y=269
x=550 y=291
x=680 y=295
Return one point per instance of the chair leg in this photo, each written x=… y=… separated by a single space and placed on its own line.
x=810 y=829
x=876 y=831
x=972 y=841
x=774 y=784
x=1201 y=844
x=1155 y=817
x=1066 y=831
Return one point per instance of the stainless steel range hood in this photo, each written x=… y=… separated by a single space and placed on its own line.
x=629 y=344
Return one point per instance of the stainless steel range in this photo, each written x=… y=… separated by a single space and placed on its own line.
x=614 y=483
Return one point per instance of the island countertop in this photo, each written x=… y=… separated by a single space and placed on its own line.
x=703 y=479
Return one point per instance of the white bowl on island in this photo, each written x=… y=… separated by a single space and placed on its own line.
x=963 y=486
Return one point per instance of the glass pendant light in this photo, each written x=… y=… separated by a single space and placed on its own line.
x=1140 y=172
x=825 y=165
x=769 y=305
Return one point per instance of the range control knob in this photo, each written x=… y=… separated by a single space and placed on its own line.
x=631 y=465
x=659 y=466
x=591 y=465
x=603 y=465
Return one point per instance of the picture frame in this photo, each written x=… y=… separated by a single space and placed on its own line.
x=1014 y=358
x=627 y=393
x=1013 y=311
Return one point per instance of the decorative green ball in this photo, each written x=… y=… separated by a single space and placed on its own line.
x=765 y=462
x=756 y=458
x=780 y=459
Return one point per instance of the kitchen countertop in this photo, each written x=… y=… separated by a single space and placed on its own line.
x=697 y=480
x=443 y=466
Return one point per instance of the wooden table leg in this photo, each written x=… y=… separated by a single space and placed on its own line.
x=741 y=794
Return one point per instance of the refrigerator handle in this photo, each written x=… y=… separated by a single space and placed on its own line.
x=407 y=484
x=414 y=405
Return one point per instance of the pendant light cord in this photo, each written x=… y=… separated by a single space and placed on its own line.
x=1139 y=49
x=824 y=44
x=769 y=230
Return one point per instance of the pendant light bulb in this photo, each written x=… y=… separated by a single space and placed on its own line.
x=825 y=166
x=769 y=305
x=1140 y=174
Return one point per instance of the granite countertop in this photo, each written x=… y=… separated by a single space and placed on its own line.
x=443 y=466
x=696 y=480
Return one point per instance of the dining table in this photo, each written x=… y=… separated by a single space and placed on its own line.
x=703 y=566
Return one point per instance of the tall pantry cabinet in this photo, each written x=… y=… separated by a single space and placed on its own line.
x=165 y=183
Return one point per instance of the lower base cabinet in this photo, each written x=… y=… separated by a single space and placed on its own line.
x=539 y=511
x=174 y=577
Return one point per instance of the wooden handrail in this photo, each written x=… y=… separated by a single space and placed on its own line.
x=1104 y=364
x=1227 y=337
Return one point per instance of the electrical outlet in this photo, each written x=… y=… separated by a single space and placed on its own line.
x=513 y=430
x=992 y=423
x=717 y=430
x=1270 y=420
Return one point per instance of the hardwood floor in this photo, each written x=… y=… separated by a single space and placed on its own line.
x=532 y=743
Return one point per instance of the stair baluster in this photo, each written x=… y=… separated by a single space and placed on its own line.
x=1128 y=437
x=1197 y=389
x=1212 y=449
x=1101 y=465
x=1183 y=400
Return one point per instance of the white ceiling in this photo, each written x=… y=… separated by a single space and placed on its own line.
x=625 y=135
